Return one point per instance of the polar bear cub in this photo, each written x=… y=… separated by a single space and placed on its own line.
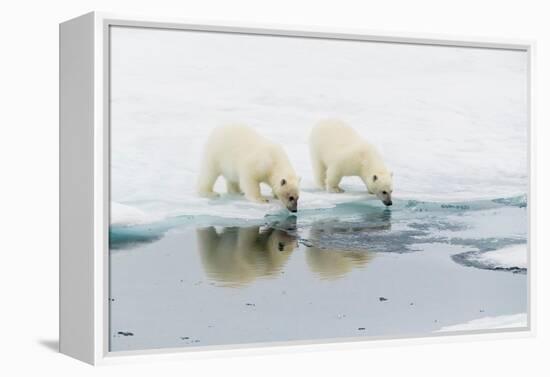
x=245 y=159
x=338 y=151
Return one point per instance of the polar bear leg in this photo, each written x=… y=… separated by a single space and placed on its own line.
x=233 y=187
x=207 y=179
x=208 y=239
x=251 y=189
x=319 y=174
x=247 y=237
x=333 y=179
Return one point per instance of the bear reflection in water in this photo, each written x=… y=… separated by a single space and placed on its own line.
x=239 y=255
x=331 y=260
x=337 y=247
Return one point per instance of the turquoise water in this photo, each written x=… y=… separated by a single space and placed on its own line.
x=360 y=225
x=356 y=270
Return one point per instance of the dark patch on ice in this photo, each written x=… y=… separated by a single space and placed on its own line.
x=463 y=207
x=188 y=340
x=370 y=231
x=382 y=299
x=347 y=236
x=125 y=333
x=440 y=225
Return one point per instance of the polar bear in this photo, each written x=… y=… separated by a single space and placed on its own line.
x=236 y=256
x=245 y=159
x=338 y=151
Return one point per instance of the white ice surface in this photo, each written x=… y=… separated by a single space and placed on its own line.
x=450 y=122
x=126 y=215
x=509 y=257
x=488 y=323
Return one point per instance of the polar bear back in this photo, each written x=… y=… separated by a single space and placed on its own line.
x=232 y=148
x=334 y=141
x=332 y=133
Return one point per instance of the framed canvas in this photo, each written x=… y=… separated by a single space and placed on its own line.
x=230 y=188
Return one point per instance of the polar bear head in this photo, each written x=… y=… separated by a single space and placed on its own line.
x=281 y=242
x=381 y=185
x=288 y=191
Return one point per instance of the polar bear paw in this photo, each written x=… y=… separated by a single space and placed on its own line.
x=209 y=194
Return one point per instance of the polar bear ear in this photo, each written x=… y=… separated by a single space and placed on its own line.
x=283 y=182
x=374 y=178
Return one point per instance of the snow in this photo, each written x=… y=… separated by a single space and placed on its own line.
x=124 y=215
x=488 y=323
x=450 y=122
x=509 y=257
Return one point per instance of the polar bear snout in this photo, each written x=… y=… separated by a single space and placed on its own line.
x=385 y=197
x=291 y=203
x=292 y=206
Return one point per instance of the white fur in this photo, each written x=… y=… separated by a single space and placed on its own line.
x=245 y=159
x=338 y=151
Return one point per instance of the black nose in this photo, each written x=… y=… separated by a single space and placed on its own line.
x=388 y=203
x=293 y=210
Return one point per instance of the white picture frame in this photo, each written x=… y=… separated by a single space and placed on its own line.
x=84 y=184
